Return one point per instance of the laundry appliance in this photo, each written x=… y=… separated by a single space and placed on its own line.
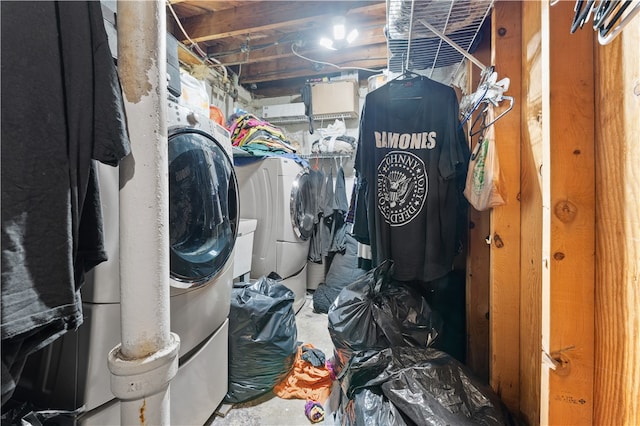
x=72 y=373
x=276 y=191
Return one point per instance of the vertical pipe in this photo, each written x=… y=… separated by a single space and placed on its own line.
x=145 y=362
x=144 y=194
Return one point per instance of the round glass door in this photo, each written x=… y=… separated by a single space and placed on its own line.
x=302 y=207
x=203 y=207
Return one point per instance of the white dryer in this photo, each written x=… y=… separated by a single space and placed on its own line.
x=203 y=221
x=276 y=192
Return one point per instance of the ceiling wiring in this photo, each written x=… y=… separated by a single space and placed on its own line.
x=212 y=61
x=329 y=63
x=246 y=48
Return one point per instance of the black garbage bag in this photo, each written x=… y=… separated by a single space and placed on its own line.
x=375 y=312
x=342 y=272
x=323 y=298
x=262 y=338
x=371 y=407
x=425 y=385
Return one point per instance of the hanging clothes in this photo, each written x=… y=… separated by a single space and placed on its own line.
x=337 y=242
x=411 y=155
x=317 y=182
x=61 y=109
x=328 y=208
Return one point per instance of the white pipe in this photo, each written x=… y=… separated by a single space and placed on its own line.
x=147 y=359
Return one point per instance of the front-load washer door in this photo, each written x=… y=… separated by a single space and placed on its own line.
x=203 y=207
x=302 y=205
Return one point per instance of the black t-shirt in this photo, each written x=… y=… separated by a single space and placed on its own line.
x=62 y=109
x=411 y=151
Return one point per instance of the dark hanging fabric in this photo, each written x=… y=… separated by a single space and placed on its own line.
x=62 y=108
x=317 y=184
x=328 y=208
x=411 y=154
x=337 y=242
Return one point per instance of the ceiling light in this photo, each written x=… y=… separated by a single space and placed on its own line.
x=353 y=35
x=339 y=31
x=340 y=37
x=326 y=42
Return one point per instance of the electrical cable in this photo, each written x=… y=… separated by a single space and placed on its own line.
x=212 y=61
x=328 y=63
x=253 y=48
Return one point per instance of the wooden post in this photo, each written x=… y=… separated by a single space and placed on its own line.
x=572 y=260
x=531 y=201
x=504 y=295
x=478 y=261
x=617 y=301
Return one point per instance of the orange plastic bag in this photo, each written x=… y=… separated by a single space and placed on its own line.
x=216 y=115
x=305 y=381
x=484 y=187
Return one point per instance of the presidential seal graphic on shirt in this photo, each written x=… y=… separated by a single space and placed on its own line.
x=402 y=187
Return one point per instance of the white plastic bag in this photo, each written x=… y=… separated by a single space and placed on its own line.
x=484 y=187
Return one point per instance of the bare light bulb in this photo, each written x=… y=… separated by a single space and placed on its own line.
x=353 y=35
x=327 y=43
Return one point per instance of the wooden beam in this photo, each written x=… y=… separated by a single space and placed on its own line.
x=572 y=261
x=188 y=57
x=533 y=168
x=504 y=295
x=617 y=375
x=478 y=259
x=276 y=49
x=365 y=57
x=268 y=16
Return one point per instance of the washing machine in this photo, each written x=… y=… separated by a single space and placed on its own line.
x=72 y=373
x=276 y=192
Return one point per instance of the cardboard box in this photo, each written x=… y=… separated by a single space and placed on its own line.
x=335 y=97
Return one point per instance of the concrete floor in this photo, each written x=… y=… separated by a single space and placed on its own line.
x=269 y=409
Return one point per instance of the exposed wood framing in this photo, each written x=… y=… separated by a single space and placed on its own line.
x=532 y=196
x=572 y=260
x=365 y=56
x=505 y=220
x=277 y=49
x=478 y=262
x=617 y=371
x=266 y=16
x=255 y=38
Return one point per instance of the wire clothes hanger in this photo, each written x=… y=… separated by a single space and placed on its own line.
x=609 y=30
x=408 y=78
x=483 y=114
x=581 y=14
x=490 y=92
x=609 y=16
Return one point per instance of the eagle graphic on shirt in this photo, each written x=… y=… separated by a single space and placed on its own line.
x=402 y=187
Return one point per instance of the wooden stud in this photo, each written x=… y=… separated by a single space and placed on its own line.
x=478 y=261
x=504 y=296
x=617 y=301
x=572 y=266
